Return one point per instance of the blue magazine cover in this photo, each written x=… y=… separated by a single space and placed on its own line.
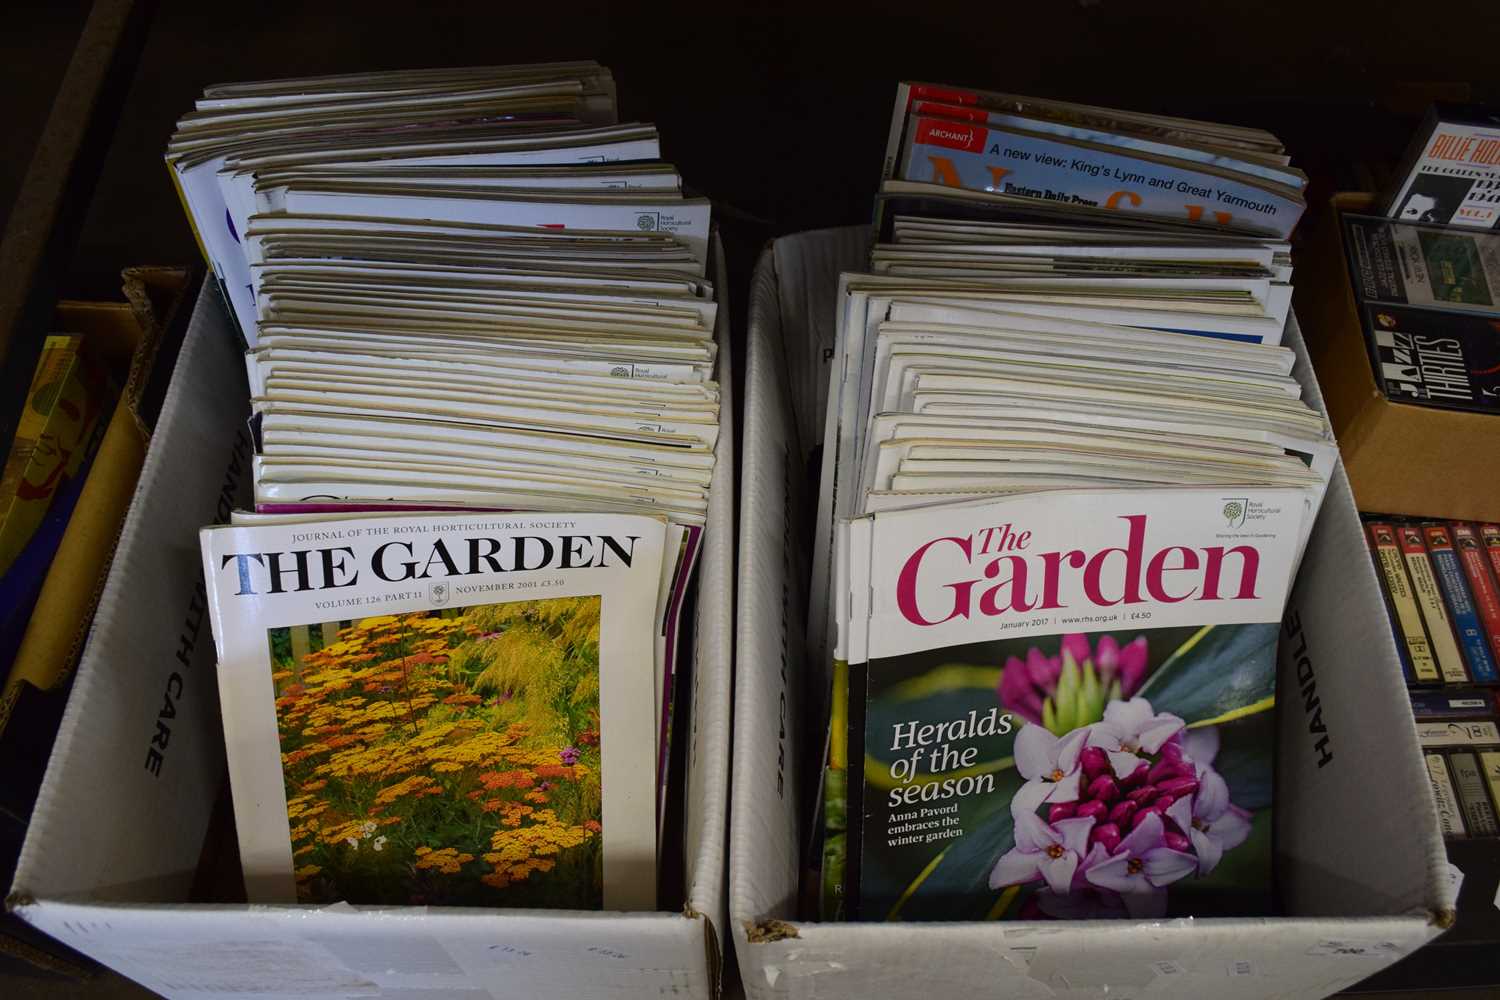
x=1018 y=162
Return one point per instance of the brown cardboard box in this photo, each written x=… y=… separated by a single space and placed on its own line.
x=1401 y=459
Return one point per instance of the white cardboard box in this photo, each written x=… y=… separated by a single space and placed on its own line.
x=1360 y=859
x=120 y=821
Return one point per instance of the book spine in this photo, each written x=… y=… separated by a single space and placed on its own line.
x=1489 y=768
x=1450 y=705
x=1478 y=813
x=1402 y=652
x=1450 y=577
x=1450 y=817
x=1482 y=583
x=1408 y=617
x=1430 y=601
x=1457 y=734
x=1490 y=534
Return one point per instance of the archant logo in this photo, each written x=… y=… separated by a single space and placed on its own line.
x=957 y=135
x=938 y=132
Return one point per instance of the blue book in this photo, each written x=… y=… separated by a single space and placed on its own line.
x=1455 y=588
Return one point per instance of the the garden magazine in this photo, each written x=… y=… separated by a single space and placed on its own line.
x=1058 y=705
x=441 y=709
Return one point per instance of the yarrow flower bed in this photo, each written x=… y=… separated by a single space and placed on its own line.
x=445 y=757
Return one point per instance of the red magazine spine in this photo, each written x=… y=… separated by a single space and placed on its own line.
x=1466 y=539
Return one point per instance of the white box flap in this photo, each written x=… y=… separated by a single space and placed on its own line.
x=139 y=756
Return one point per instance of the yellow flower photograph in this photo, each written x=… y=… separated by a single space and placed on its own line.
x=444 y=757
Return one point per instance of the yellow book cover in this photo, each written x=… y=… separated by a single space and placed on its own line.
x=57 y=357
x=66 y=400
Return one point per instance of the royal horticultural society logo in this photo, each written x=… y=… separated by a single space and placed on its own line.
x=1235 y=510
x=647 y=221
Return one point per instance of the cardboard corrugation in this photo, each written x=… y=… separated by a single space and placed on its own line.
x=112 y=849
x=1360 y=859
x=1394 y=452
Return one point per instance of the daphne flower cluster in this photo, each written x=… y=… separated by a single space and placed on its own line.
x=1071 y=688
x=1115 y=811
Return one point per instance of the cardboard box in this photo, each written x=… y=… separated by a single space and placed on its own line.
x=109 y=862
x=1360 y=860
x=1401 y=458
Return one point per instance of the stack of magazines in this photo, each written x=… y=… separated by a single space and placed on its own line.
x=1067 y=479
x=480 y=359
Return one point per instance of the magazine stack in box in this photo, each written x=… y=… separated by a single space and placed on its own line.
x=1067 y=479
x=481 y=363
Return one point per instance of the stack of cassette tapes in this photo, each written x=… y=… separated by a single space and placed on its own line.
x=1442 y=588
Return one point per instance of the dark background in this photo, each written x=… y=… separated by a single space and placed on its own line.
x=777 y=112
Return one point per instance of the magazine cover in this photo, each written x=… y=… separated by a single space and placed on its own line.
x=1059 y=706
x=1121 y=122
x=443 y=709
x=1111 y=135
x=682 y=546
x=1017 y=162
